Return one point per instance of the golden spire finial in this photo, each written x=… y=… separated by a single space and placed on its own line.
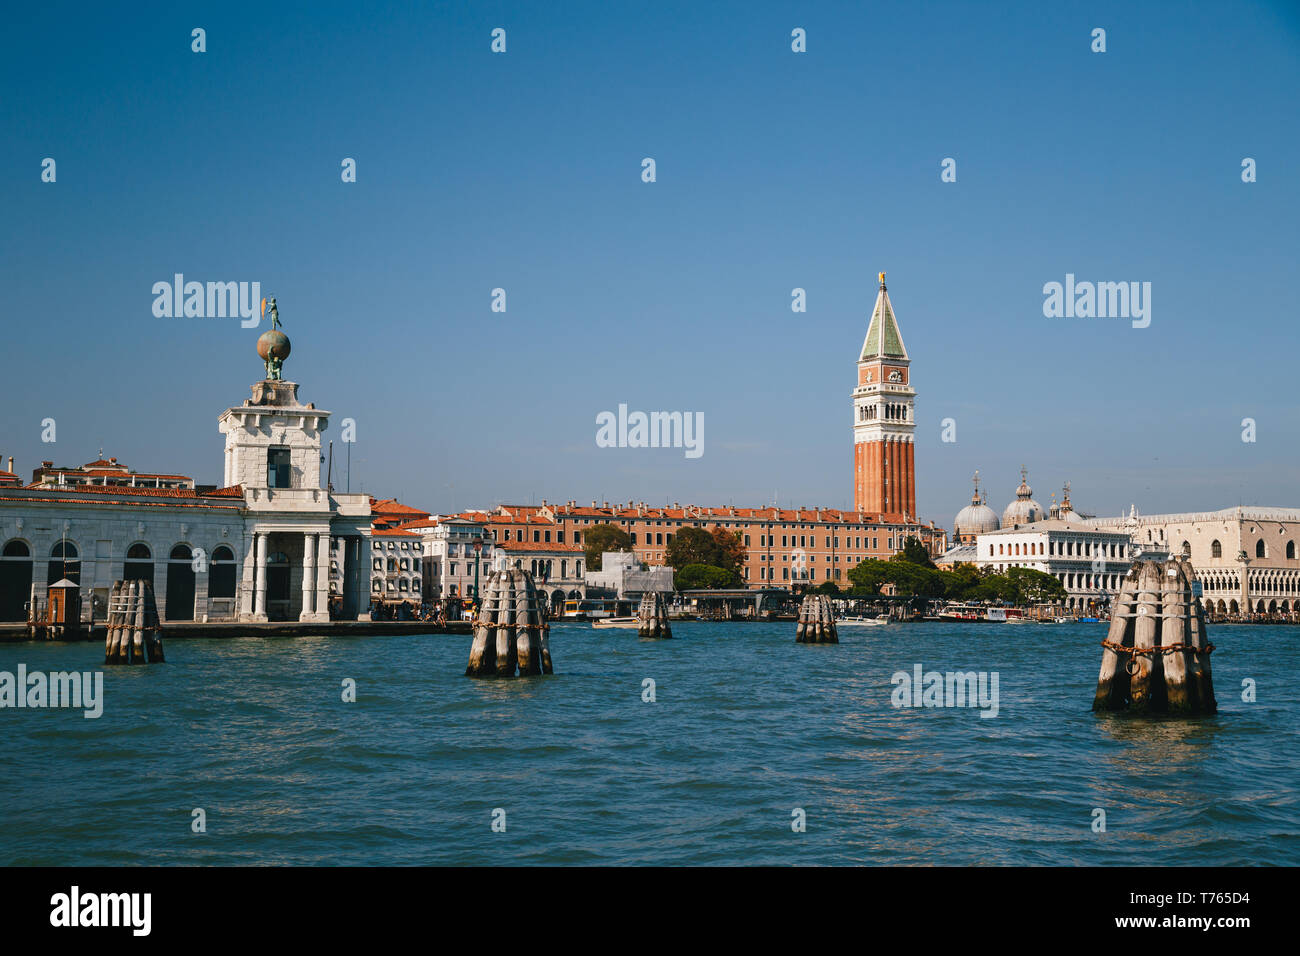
x=882 y=280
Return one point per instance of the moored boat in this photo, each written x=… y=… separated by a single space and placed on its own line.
x=624 y=622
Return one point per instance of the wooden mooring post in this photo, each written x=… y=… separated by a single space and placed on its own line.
x=1156 y=657
x=510 y=630
x=652 y=616
x=134 y=632
x=816 y=621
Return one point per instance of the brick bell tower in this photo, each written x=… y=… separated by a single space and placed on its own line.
x=884 y=475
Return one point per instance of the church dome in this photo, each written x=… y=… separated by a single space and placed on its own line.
x=976 y=518
x=1024 y=510
x=1064 y=511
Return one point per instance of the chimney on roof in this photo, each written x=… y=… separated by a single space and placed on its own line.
x=606 y=505
x=593 y=503
x=543 y=502
x=11 y=463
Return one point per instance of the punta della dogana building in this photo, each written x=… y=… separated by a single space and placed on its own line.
x=274 y=543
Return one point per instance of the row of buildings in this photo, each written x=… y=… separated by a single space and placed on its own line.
x=275 y=541
x=1247 y=559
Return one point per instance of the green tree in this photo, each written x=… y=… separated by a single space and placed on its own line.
x=1035 y=587
x=961 y=582
x=690 y=546
x=601 y=538
x=693 y=577
x=729 y=551
x=994 y=587
x=827 y=587
x=914 y=580
x=869 y=575
x=914 y=552
x=719 y=548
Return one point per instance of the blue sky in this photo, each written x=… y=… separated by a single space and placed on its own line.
x=775 y=170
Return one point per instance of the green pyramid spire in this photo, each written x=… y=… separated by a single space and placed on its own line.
x=883 y=338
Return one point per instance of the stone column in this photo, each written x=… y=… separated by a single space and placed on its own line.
x=362 y=580
x=1244 y=562
x=259 y=571
x=323 y=576
x=308 y=578
x=201 y=589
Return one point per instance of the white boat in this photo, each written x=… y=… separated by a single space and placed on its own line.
x=859 y=621
x=631 y=622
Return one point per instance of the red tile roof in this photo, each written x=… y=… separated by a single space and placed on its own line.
x=392 y=533
x=537 y=546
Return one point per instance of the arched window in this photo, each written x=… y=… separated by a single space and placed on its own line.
x=15 y=581
x=1260 y=551
x=139 y=563
x=1290 y=550
x=221 y=580
x=1187 y=548
x=179 y=604
x=1216 y=549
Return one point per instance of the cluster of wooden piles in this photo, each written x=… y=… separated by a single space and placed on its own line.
x=1157 y=654
x=816 y=621
x=134 y=633
x=652 y=616
x=510 y=630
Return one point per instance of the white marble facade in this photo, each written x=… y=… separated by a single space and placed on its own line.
x=259 y=549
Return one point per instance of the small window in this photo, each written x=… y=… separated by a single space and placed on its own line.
x=278 y=470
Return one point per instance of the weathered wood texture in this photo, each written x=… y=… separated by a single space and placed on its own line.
x=134 y=634
x=816 y=623
x=1156 y=657
x=510 y=632
x=652 y=616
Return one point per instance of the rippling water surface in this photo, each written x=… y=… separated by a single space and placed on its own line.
x=747 y=726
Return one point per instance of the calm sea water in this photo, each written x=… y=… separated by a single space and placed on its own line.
x=747 y=726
